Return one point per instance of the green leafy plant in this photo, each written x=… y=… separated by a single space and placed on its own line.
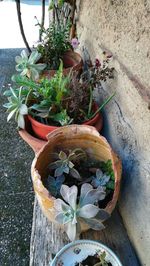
x=79 y=104
x=55 y=42
x=107 y=168
x=58 y=101
x=104 y=176
x=99 y=259
x=102 y=258
x=62 y=117
x=53 y=3
x=90 y=113
x=65 y=163
x=72 y=212
x=43 y=99
x=28 y=65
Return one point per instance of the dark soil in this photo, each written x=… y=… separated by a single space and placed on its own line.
x=90 y=261
x=86 y=168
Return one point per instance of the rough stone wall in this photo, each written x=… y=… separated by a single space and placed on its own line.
x=123 y=28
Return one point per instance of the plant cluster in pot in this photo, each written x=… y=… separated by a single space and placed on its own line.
x=59 y=101
x=56 y=43
x=86 y=253
x=76 y=178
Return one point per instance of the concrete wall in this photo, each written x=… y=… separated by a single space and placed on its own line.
x=123 y=28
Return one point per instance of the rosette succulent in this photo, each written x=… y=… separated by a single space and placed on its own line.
x=71 y=211
x=16 y=106
x=65 y=164
x=28 y=65
x=100 y=179
x=54 y=184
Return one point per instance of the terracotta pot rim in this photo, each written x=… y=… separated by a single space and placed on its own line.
x=37 y=143
x=89 y=122
x=77 y=62
x=68 y=53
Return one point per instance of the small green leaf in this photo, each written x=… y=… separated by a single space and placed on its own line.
x=51 y=5
x=111 y=185
x=62 y=155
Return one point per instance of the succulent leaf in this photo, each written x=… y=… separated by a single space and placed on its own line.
x=61 y=206
x=24 y=54
x=59 y=171
x=21 y=122
x=11 y=114
x=88 y=211
x=23 y=109
x=102 y=215
x=34 y=57
x=74 y=173
x=71 y=231
x=93 y=223
x=69 y=194
x=59 y=218
x=92 y=196
x=86 y=187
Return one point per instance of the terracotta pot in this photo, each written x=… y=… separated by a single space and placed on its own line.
x=42 y=130
x=35 y=143
x=28 y=136
x=71 y=137
x=72 y=61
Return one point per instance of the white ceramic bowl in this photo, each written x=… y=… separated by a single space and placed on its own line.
x=79 y=250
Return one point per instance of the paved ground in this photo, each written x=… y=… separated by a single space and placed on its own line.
x=16 y=193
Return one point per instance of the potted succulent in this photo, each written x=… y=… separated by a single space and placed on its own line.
x=76 y=178
x=50 y=103
x=56 y=42
x=86 y=253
